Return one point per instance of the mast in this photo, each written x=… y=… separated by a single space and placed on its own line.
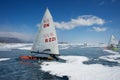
x=46 y=38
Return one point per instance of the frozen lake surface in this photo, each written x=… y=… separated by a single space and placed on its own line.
x=90 y=63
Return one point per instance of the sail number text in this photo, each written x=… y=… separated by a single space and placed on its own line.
x=50 y=39
x=46 y=23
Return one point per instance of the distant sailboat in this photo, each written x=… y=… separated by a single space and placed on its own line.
x=46 y=38
x=113 y=41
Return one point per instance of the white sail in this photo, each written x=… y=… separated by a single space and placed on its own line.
x=46 y=39
x=113 y=41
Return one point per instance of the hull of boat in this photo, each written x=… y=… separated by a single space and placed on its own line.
x=35 y=58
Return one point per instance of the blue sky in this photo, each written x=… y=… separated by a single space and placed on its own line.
x=76 y=20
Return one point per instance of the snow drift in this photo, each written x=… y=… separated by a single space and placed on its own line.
x=76 y=70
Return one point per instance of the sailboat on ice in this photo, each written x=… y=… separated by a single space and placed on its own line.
x=46 y=40
x=113 y=43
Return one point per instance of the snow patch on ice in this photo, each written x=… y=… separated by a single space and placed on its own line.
x=25 y=48
x=6 y=47
x=110 y=51
x=112 y=58
x=63 y=46
x=4 y=59
x=76 y=70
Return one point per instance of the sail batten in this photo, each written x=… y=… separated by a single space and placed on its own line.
x=46 y=38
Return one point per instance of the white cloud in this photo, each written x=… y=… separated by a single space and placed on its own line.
x=85 y=20
x=99 y=29
x=17 y=35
